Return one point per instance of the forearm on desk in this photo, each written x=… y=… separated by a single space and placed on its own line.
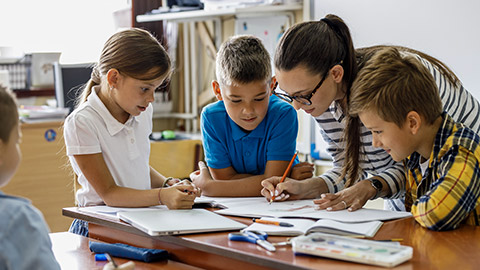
x=248 y=186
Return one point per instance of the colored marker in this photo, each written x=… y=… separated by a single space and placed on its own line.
x=271 y=222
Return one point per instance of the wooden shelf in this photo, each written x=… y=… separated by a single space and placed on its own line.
x=24 y=93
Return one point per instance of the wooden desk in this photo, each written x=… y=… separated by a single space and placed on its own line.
x=456 y=249
x=72 y=252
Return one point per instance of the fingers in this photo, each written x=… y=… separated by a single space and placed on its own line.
x=202 y=166
x=331 y=202
x=338 y=201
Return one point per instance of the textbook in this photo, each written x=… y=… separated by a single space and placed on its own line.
x=171 y=222
x=305 y=226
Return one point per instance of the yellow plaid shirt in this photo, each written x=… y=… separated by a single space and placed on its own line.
x=448 y=193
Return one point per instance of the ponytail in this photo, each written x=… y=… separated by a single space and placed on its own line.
x=95 y=79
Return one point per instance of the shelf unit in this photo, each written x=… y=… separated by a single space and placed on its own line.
x=191 y=74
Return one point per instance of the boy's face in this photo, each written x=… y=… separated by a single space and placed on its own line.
x=10 y=156
x=396 y=141
x=246 y=104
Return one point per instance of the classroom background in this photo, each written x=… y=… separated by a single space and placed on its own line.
x=51 y=38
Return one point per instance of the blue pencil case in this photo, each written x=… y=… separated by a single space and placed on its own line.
x=129 y=252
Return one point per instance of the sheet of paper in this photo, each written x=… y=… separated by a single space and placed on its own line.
x=306 y=209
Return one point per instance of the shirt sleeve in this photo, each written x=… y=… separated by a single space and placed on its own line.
x=283 y=140
x=453 y=195
x=393 y=173
x=80 y=136
x=216 y=154
x=27 y=244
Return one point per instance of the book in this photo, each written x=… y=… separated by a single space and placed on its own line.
x=306 y=226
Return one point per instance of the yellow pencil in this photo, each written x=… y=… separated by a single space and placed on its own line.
x=285 y=173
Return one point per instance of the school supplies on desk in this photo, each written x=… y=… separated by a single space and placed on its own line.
x=272 y=222
x=255 y=237
x=170 y=222
x=307 y=226
x=353 y=250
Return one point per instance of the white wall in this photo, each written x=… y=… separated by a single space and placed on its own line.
x=78 y=29
x=448 y=30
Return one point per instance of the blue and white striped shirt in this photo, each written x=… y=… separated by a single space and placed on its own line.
x=457 y=102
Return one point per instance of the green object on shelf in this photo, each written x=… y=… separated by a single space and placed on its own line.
x=168 y=134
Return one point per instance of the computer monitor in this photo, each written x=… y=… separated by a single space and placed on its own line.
x=69 y=82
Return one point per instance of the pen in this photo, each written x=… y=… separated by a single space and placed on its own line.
x=391 y=240
x=285 y=173
x=110 y=259
x=271 y=222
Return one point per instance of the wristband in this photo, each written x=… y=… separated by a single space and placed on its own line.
x=159 y=197
x=166 y=180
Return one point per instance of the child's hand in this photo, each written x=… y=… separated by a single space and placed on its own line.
x=171 y=181
x=302 y=170
x=201 y=178
x=179 y=196
x=196 y=190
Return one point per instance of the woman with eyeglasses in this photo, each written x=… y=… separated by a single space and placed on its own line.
x=315 y=66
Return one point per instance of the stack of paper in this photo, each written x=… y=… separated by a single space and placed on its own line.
x=42 y=113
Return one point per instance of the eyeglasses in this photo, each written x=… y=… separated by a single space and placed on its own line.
x=305 y=100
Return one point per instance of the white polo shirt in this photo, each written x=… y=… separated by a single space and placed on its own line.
x=91 y=129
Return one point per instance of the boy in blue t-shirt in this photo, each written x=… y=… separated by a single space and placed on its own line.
x=248 y=134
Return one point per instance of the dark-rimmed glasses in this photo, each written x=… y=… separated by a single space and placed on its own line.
x=305 y=100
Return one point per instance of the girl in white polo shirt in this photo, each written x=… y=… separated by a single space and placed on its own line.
x=107 y=135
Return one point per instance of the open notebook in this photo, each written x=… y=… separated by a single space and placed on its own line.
x=306 y=226
x=169 y=222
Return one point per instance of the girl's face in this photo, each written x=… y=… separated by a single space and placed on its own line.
x=300 y=82
x=10 y=156
x=131 y=96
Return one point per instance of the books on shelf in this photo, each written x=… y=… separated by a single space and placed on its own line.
x=41 y=113
x=306 y=226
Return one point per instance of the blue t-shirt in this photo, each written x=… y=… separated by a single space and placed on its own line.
x=25 y=243
x=228 y=145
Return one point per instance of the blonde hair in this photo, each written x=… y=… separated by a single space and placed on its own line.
x=8 y=113
x=133 y=52
x=242 y=59
x=393 y=84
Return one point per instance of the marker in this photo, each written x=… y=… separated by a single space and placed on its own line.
x=285 y=173
x=270 y=222
x=391 y=240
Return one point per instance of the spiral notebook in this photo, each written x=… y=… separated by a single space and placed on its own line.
x=171 y=222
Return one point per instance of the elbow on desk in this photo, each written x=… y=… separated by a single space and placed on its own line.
x=431 y=220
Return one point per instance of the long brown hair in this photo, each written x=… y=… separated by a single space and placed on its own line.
x=317 y=46
x=133 y=52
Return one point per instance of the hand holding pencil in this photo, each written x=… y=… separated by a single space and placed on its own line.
x=285 y=173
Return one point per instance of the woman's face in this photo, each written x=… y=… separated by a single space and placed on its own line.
x=300 y=82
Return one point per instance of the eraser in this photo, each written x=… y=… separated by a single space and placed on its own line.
x=101 y=257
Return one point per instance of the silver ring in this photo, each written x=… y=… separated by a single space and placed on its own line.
x=344 y=203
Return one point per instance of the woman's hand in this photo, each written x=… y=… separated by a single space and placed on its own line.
x=352 y=198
